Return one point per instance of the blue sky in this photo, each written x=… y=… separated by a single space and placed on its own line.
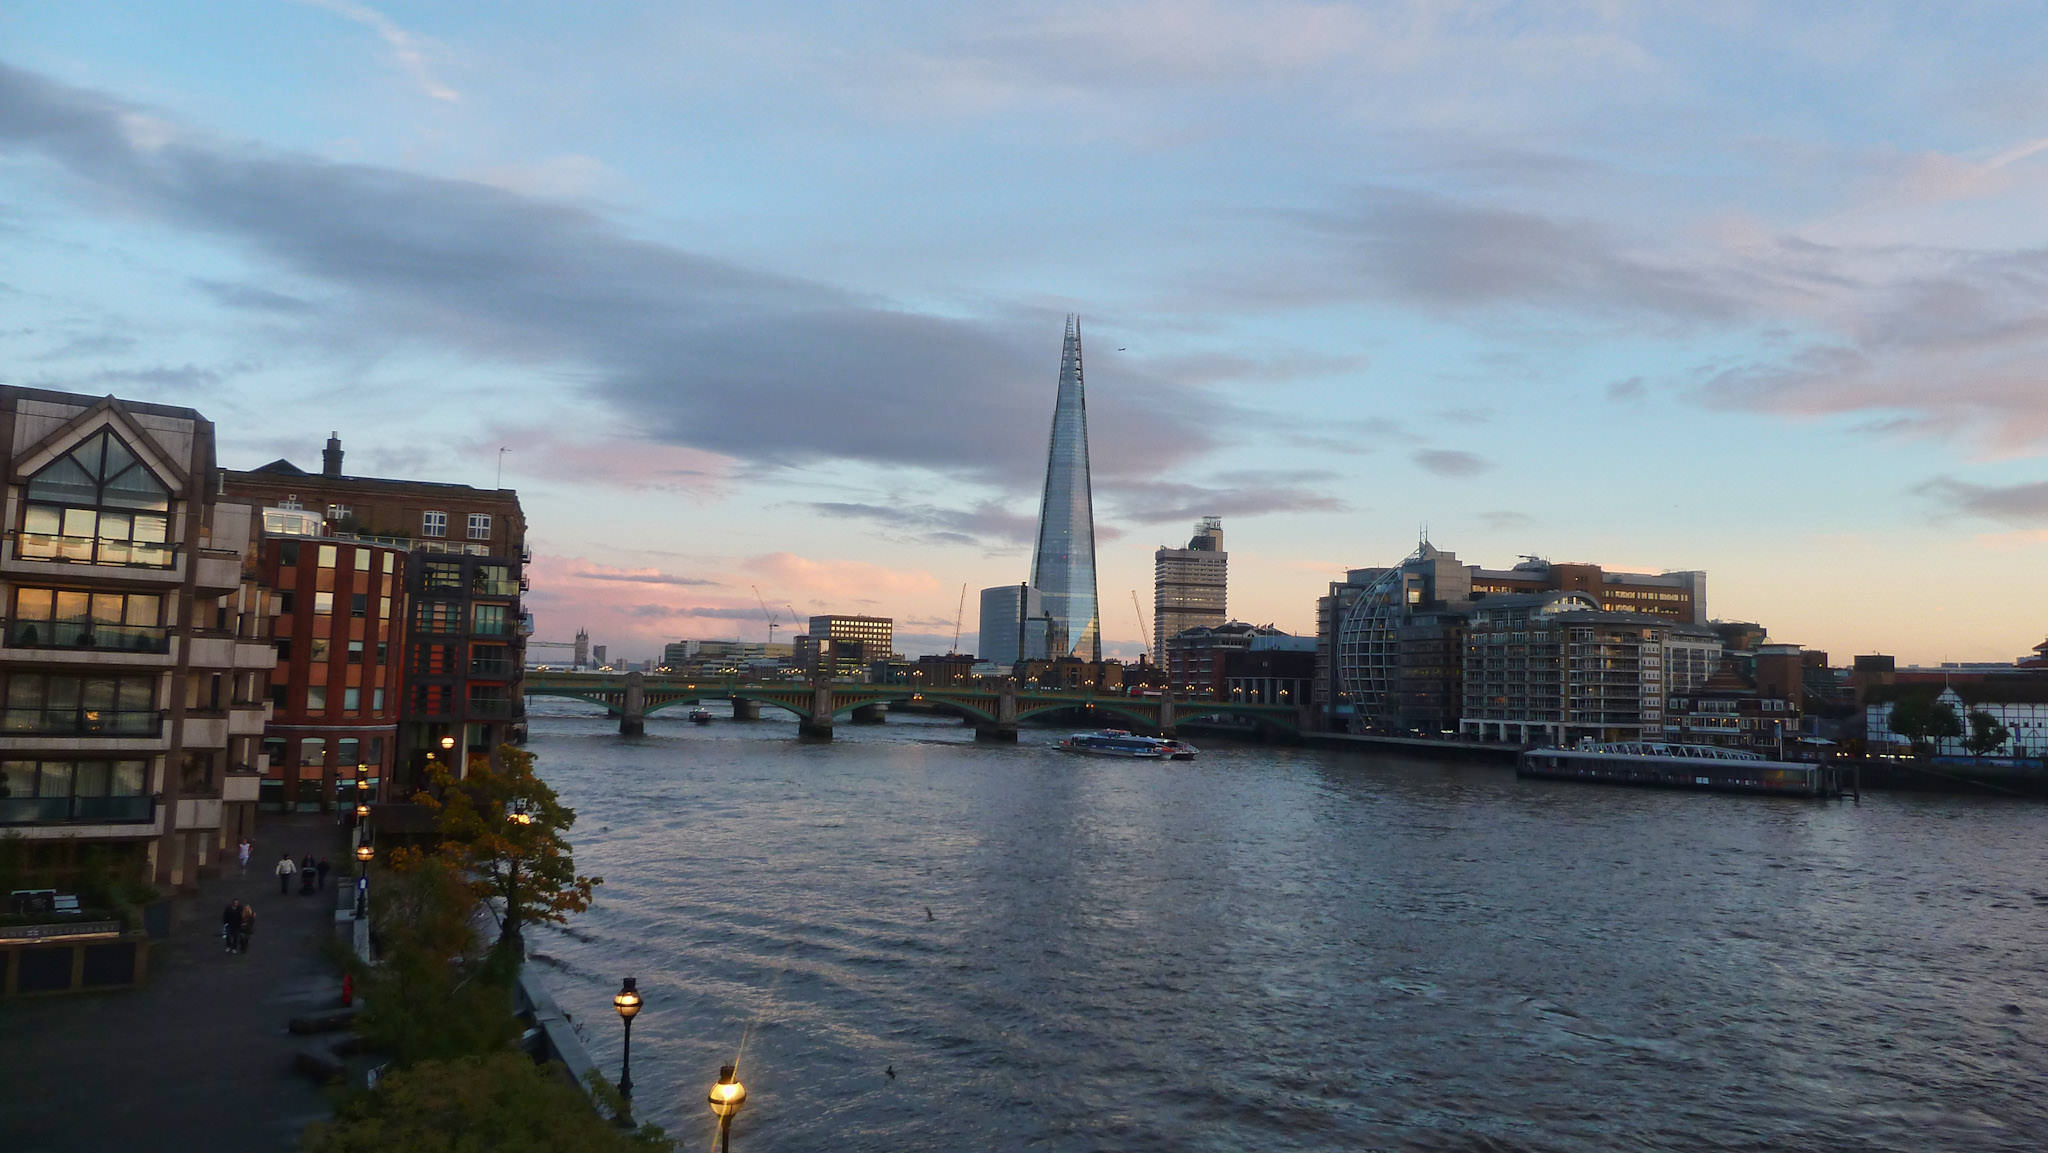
x=772 y=294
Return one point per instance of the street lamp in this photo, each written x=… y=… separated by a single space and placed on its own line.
x=627 y=1002
x=726 y=1098
x=517 y=812
x=364 y=852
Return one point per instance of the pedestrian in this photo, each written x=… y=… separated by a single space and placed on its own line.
x=231 y=924
x=322 y=869
x=243 y=851
x=285 y=868
x=307 y=874
x=248 y=925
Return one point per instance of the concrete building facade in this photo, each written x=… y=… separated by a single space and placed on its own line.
x=1190 y=586
x=135 y=658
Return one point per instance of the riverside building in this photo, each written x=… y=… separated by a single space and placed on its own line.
x=1190 y=586
x=135 y=659
x=464 y=636
x=1063 y=565
x=1013 y=626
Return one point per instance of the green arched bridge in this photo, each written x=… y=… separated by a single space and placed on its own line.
x=993 y=710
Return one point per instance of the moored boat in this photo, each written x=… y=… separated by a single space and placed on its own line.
x=1674 y=766
x=1122 y=743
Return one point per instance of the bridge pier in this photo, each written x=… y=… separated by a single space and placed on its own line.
x=869 y=715
x=746 y=710
x=633 y=717
x=818 y=726
x=1004 y=727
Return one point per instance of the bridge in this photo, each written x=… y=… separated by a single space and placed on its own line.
x=993 y=708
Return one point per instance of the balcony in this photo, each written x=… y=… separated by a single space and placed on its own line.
x=77 y=810
x=86 y=550
x=489 y=709
x=220 y=570
x=89 y=636
x=497 y=588
x=81 y=722
x=493 y=669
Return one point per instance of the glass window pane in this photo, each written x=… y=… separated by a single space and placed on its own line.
x=138 y=694
x=136 y=488
x=106 y=607
x=55 y=779
x=118 y=457
x=96 y=692
x=81 y=522
x=152 y=529
x=25 y=691
x=33 y=604
x=92 y=778
x=327 y=555
x=312 y=751
x=127 y=779
x=116 y=525
x=142 y=609
x=43 y=520
x=65 y=482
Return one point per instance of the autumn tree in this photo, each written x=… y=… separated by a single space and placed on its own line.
x=435 y=992
x=506 y=830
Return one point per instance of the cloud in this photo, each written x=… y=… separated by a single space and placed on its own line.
x=984 y=524
x=1247 y=493
x=100 y=344
x=1451 y=462
x=251 y=297
x=642 y=576
x=183 y=378
x=2018 y=504
x=1502 y=519
x=690 y=351
x=406 y=49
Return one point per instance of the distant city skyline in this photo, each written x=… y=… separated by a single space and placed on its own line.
x=759 y=295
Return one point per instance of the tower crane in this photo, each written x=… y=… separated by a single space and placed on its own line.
x=1144 y=630
x=772 y=622
x=959 y=615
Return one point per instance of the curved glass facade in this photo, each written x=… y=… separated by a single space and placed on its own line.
x=1063 y=568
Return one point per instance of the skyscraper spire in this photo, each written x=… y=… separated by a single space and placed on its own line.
x=1063 y=568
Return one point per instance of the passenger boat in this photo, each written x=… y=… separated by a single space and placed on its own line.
x=1121 y=743
x=700 y=715
x=1657 y=763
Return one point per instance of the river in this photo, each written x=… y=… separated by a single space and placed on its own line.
x=1286 y=949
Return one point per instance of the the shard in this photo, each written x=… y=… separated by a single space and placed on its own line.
x=1063 y=569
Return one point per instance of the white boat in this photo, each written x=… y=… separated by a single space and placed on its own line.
x=700 y=715
x=1122 y=743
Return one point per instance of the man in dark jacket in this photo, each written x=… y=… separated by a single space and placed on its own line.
x=231 y=924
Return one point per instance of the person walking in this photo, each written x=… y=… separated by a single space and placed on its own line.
x=307 y=873
x=242 y=851
x=285 y=868
x=248 y=925
x=322 y=869
x=231 y=924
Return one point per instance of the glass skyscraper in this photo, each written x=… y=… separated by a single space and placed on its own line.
x=1063 y=569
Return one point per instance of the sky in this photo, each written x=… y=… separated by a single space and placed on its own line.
x=770 y=296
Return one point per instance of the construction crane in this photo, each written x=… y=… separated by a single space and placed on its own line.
x=772 y=622
x=959 y=615
x=1144 y=630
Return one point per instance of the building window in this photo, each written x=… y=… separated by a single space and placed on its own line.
x=362 y=558
x=390 y=560
x=313 y=752
x=377 y=699
x=339 y=512
x=318 y=650
x=61 y=619
x=359 y=605
x=434 y=523
x=327 y=555
x=489 y=621
x=65 y=705
x=479 y=526
x=34 y=792
x=351 y=700
x=441 y=575
x=323 y=604
x=316 y=698
x=355 y=652
x=97 y=504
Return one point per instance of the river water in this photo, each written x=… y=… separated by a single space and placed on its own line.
x=1286 y=949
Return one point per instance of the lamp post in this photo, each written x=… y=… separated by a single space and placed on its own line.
x=448 y=755
x=627 y=1002
x=364 y=852
x=726 y=1098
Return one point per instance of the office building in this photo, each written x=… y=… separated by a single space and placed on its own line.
x=1195 y=658
x=1190 y=585
x=135 y=659
x=1013 y=626
x=1063 y=565
x=1555 y=668
x=853 y=642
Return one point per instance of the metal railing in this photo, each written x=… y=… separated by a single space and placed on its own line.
x=94 y=550
x=79 y=722
x=95 y=636
x=76 y=810
x=489 y=667
x=491 y=709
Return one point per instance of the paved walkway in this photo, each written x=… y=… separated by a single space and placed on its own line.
x=199 y=1057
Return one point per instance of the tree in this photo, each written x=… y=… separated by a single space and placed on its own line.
x=1912 y=718
x=435 y=993
x=1942 y=722
x=504 y=828
x=501 y=1103
x=1987 y=735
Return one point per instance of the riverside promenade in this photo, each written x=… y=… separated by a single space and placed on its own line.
x=198 y=1057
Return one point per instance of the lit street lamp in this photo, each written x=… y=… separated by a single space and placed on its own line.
x=726 y=1098
x=627 y=1002
x=364 y=852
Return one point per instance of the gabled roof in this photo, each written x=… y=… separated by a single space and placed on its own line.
x=281 y=467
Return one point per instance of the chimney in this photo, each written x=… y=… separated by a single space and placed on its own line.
x=330 y=457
